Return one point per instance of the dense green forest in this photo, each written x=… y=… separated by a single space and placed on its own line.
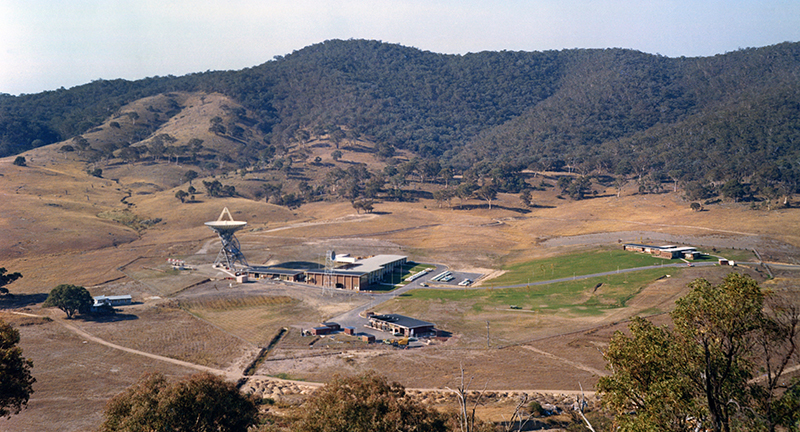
x=701 y=121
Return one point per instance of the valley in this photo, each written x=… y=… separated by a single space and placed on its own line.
x=202 y=321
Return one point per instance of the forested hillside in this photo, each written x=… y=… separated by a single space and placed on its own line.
x=610 y=111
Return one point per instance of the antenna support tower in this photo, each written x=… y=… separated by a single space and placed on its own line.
x=327 y=278
x=230 y=256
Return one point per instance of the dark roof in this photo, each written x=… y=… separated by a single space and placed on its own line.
x=275 y=271
x=337 y=272
x=402 y=321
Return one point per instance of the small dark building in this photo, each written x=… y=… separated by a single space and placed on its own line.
x=275 y=273
x=318 y=331
x=400 y=325
x=332 y=325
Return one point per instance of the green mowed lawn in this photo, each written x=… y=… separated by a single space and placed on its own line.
x=398 y=278
x=579 y=297
x=576 y=264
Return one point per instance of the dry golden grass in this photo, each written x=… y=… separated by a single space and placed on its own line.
x=74 y=378
x=179 y=336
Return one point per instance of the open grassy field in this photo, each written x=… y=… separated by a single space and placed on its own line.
x=574 y=264
x=580 y=297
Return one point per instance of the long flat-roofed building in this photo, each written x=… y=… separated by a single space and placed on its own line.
x=276 y=273
x=356 y=273
x=666 y=251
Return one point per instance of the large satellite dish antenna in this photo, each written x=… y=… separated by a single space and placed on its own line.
x=230 y=256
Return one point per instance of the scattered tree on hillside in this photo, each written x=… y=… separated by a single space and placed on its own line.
x=385 y=151
x=718 y=369
x=97 y=172
x=443 y=195
x=488 y=193
x=698 y=191
x=7 y=278
x=465 y=190
x=133 y=115
x=190 y=175
x=130 y=154
x=735 y=190
x=696 y=206
x=620 y=183
x=363 y=204
x=336 y=155
x=337 y=136
x=181 y=195
x=81 y=142
x=217 y=127
x=216 y=189
x=202 y=402
x=16 y=382
x=525 y=198
x=69 y=298
x=291 y=200
x=157 y=148
x=20 y=161
x=366 y=404
x=579 y=187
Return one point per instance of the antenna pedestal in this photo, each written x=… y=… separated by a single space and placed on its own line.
x=230 y=255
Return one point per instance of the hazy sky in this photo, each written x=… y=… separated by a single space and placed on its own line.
x=47 y=44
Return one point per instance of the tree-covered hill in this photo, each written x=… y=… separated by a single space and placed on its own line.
x=606 y=111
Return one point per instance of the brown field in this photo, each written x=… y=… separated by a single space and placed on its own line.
x=52 y=233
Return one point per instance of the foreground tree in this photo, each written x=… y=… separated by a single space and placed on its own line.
x=719 y=368
x=202 y=402
x=366 y=404
x=16 y=382
x=7 y=278
x=717 y=325
x=645 y=390
x=69 y=298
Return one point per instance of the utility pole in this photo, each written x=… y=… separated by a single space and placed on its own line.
x=488 y=344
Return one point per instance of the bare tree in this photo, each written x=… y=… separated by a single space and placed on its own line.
x=466 y=415
x=516 y=417
x=581 y=406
